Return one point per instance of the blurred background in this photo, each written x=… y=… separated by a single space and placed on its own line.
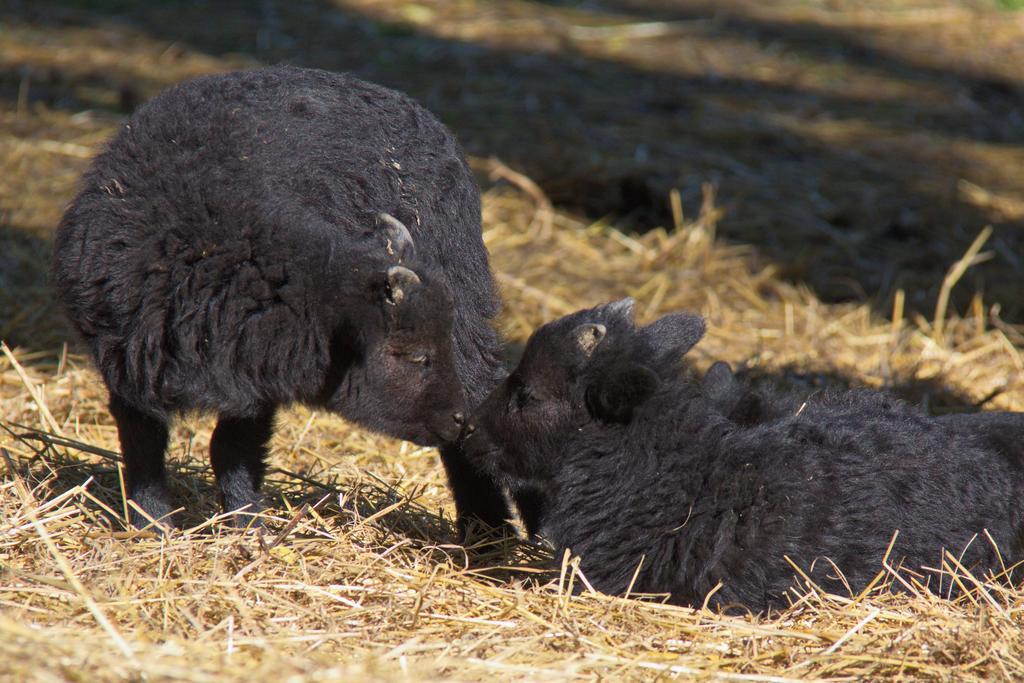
x=859 y=146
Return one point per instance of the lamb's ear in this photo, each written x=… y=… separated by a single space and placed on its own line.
x=616 y=395
x=675 y=333
x=399 y=243
x=719 y=382
x=623 y=308
x=401 y=281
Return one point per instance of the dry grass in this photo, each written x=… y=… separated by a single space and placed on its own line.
x=357 y=575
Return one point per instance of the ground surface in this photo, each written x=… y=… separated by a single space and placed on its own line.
x=832 y=161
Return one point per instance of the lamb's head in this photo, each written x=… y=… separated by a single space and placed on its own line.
x=591 y=367
x=398 y=374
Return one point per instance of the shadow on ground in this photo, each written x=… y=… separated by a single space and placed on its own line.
x=837 y=155
x=29 y=315
x=383 y=516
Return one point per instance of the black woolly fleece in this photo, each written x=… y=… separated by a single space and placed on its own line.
x=227 y=253
x=665 y=481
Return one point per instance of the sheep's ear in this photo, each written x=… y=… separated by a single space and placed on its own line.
x=623 y=308
x=616 y=395
x=401 y=281
x=675 y=333
x=719 y=382
x=588 y=336
x=399 y=243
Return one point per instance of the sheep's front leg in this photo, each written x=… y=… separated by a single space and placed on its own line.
x=530 y=503
x=477 y=496
x=143 y=442
x=238 y=452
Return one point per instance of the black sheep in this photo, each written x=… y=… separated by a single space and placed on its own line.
x=654 y=487
x=264 y=237
x=736 y=400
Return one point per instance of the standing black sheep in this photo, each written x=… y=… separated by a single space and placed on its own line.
x=278 y=235
x=640 y=469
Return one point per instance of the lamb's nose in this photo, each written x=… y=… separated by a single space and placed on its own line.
x=470 y=428
x=459 y=418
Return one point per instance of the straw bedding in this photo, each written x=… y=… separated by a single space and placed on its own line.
x=357 y=574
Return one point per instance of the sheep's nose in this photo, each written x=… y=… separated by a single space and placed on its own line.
x=459 y=418
x=470 y=428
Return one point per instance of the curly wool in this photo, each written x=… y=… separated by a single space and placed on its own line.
x=225 y=253
x=208 y=255
x=681 y=499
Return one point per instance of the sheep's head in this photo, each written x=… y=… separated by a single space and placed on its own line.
x=593 y=366
x=398 y=374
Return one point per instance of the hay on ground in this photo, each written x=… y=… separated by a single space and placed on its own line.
x=357 y=576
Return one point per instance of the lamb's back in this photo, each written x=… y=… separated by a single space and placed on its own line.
x=704 y=500
x=210 y=241
x=856 y=467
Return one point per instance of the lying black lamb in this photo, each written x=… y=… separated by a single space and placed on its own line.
x=645 y=475
x=263 y=237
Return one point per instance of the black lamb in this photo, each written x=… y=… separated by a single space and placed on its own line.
x=737 y=401
x=282 y=235
x=658 y=491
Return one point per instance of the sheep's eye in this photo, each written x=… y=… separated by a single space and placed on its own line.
x=524 y=397
x=418 y=358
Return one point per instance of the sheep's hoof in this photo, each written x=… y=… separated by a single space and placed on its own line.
x=243 y=516
x=149 y=510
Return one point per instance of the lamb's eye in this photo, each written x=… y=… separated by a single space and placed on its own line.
x=524 y=397
x=418 y=358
